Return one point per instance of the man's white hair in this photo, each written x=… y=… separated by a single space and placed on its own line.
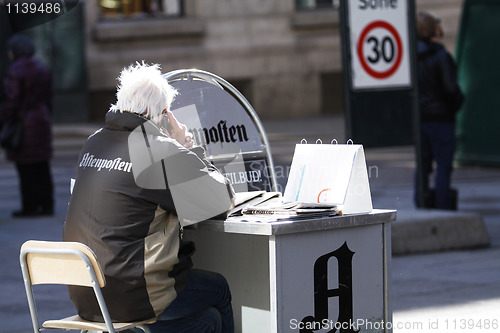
x=143 y=90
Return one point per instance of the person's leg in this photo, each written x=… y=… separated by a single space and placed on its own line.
x=205 y=290
x=44 y=188
x=26 y=181
x=444 y=150
x=427 y=157
x=206 y=321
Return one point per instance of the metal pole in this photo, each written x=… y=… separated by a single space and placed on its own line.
x=419 y=173
x=344 y=33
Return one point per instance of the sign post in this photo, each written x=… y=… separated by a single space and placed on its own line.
x=378 y=56
x=380 y=75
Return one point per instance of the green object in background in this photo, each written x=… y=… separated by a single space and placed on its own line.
x=478 y=60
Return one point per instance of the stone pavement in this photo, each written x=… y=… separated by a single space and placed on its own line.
x=450 y=291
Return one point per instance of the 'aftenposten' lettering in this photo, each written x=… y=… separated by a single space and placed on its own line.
x=90 y=161
x=220 y=133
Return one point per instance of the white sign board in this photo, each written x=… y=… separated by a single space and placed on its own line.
x=380 y=52
x=218 y=122
x=335 y=173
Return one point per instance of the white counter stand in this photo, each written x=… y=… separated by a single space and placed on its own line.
x=272 y=270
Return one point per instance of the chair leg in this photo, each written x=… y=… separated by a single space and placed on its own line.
x=144 y=328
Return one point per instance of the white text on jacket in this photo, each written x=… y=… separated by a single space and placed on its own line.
x=90 y=161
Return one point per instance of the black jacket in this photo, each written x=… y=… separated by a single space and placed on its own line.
x=440 y=96
x=131 y=181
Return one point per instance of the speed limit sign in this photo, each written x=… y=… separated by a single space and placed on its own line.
x=379 y=43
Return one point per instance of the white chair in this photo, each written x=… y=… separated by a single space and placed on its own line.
x=67 y=263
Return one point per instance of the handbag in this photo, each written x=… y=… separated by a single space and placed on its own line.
x=11 y=134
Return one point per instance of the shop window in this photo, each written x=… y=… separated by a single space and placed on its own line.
x=141 y=8
x=125 y=20
x=316 y=4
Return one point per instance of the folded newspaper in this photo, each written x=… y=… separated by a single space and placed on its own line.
x=278 y=207
x=255 y=198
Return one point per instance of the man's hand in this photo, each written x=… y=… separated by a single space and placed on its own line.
x=179 y=131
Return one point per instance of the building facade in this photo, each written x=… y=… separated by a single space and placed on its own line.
x=278 y=53
x=283 y=55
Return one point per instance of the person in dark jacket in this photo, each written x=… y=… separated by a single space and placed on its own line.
x=137 y=184
x=28 y=89
x=440 y=97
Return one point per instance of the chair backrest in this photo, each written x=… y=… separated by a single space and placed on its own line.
x=60 y=263
x=225 y=124
x=68 y=263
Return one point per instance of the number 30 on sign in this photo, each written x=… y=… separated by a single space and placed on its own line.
x=380 y=49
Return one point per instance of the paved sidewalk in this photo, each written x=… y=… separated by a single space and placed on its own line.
x=454 y=291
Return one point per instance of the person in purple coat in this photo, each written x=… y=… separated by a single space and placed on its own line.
x=28 y=95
